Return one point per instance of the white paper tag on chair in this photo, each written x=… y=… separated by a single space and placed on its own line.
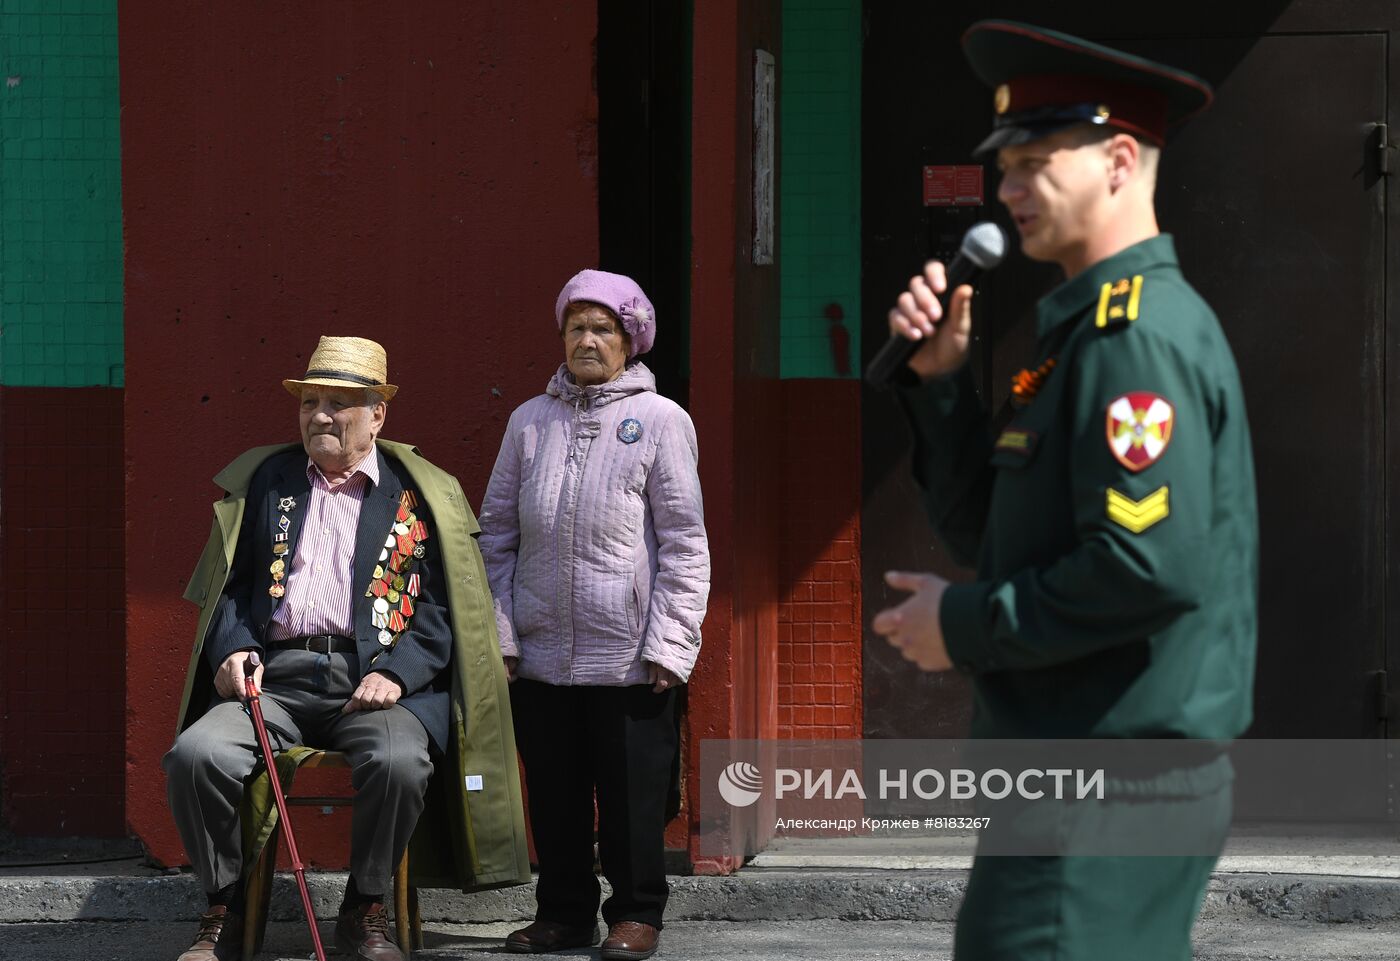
x=473 y=782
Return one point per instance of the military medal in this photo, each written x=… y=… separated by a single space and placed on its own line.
x=394 y=584
x=280 y=546
x=287 y=504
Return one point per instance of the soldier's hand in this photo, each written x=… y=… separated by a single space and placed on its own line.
x=511 y=664
x=377 y=692
x=917 y=315
x=228 y=679
x=913 y=627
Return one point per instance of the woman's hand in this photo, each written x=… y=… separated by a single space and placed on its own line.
x=660 y=679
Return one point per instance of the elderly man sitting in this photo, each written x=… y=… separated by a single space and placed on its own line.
x=349 y=571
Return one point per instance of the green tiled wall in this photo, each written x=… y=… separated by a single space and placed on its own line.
x=60 y=195
x=819 y=243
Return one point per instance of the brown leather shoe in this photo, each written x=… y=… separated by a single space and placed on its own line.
x=630 y=941
x=220 y=936
x=363 y=932
x=539 y=937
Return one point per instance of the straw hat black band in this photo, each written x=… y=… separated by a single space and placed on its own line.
x=345 y=362
x=342 y=375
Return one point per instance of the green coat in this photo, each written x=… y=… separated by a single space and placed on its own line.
x=465 y=839
x=1112 y=519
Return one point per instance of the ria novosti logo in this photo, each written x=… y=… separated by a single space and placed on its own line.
x=740 y=784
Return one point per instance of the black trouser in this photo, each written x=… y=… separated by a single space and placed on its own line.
x=620 y=742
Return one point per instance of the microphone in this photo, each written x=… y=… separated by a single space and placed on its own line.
x=982 y=248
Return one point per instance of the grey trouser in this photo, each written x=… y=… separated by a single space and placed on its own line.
x=302 y=697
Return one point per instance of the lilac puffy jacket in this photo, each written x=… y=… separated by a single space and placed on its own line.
x=593 y=533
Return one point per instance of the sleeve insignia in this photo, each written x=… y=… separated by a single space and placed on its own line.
x=1137 y=516
x=1118 y=302
x=1139 y=429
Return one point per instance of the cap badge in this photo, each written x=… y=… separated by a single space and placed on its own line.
x=1002 y=100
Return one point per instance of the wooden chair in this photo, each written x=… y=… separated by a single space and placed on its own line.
x=258 y=890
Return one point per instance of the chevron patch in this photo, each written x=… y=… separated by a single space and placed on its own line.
x=1137 y=516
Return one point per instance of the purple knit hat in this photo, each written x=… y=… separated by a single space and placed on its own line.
x=619 y=294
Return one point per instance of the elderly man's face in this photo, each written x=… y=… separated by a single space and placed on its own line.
x=595 y=345
x=339 y=425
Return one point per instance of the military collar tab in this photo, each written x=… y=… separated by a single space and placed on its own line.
x=1073 y=297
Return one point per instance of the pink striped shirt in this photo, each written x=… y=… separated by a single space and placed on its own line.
x=319 y=593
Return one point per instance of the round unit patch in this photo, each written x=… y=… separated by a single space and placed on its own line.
x=1139 y=429
x=629 y=431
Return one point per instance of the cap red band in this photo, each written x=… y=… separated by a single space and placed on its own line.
x=1135 y=109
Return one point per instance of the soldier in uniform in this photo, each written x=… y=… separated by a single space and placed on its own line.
x=1110 y=511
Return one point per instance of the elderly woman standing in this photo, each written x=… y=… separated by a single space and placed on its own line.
x=594 y=539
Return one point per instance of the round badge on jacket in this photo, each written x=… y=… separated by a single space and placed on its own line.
x=629 y=431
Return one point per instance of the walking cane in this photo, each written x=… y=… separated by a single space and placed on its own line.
x=260 y=726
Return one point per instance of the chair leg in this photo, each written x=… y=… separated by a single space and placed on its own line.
x=415 y=918
x=257 y=896
x=402 y=925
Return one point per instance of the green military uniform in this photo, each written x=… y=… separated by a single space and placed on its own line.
x=1113 y=523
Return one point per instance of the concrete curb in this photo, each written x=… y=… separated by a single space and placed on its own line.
x=755 y=895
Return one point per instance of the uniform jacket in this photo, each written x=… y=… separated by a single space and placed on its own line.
x=1115 y=537
x=593 y=533
x=472 y=833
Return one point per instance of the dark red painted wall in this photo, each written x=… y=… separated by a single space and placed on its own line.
x=425 y=176
x=62 y=645
x=734 y=398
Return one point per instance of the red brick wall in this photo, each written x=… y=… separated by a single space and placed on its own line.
x=62 y=692
x=819 y=613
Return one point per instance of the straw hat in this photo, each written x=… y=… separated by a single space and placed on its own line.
x=346 y=362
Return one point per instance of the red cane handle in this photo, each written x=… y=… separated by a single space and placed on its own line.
x=250 y=667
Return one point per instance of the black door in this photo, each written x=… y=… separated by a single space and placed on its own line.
x=643 y=77
x=1278 y=207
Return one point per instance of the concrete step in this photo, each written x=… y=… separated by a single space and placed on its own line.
x=1213 y=940
x=755 y=894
